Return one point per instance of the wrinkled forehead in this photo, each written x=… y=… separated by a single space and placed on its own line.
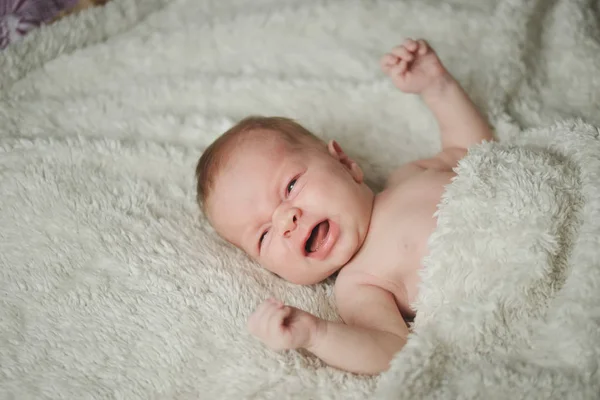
x=243 y=184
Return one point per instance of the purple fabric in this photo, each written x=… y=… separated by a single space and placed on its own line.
x=17 y=17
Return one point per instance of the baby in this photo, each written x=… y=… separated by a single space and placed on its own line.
x=301 y=209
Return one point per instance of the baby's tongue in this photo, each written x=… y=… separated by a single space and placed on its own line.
x=319 y=238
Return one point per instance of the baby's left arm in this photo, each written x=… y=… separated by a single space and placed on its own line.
x=415 y=68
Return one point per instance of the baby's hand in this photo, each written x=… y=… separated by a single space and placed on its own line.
x=282 y=327
x=414 y=67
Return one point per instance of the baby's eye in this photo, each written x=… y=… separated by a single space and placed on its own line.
x=291 y=185
x=262 y=237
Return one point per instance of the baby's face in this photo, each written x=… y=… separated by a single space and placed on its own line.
x=302 y=213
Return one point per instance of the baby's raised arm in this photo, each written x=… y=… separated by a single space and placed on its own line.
x=415 y=68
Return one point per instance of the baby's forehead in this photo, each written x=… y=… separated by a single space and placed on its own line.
x=251 y=159
x=261 y=140
x=267 y=147
x=243 y=185
x=255 y=156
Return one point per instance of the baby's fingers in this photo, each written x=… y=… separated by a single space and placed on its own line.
x=399 y=69
x=275 y=318
x=388 y=61
x=260 y=315
x=423 y=47
x=276 y=331
x=403 y=53
x=410 y=44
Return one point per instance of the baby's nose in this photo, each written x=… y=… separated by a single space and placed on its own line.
x=288 y=221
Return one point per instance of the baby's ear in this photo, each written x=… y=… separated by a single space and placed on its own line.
x=336 y=152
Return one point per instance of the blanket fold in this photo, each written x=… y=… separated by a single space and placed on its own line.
x=510 y=299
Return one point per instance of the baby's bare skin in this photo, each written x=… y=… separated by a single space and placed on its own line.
x=379 y=241
x=375 y=290
x=401 y=224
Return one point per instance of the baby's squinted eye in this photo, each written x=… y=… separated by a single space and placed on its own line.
x=262 y=237
x=291 y=185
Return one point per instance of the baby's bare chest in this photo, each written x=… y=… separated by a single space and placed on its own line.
x=402 y=222
x=404 y=218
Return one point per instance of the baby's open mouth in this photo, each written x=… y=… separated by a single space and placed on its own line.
x=317 y=237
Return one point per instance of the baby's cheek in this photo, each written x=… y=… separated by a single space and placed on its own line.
x=275 y=260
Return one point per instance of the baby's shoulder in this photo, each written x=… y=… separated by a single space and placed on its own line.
x=403 y=173
x=352 y=280
x=364 y=300
x=348 y=280
x=442 y=163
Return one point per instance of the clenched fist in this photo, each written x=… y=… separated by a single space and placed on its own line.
x=282 y=327
x=414 y=67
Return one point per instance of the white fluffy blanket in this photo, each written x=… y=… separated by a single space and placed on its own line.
x=510 y=302
x=113 y=286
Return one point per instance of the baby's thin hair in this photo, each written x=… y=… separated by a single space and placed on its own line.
x=216 y=155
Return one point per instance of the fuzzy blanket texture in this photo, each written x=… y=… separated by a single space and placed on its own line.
x=113 y=286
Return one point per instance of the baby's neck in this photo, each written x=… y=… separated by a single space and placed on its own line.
x=369 y=246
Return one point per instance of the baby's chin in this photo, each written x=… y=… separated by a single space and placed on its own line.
x=313 y=277
x=321 y=271
x=317 y=271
